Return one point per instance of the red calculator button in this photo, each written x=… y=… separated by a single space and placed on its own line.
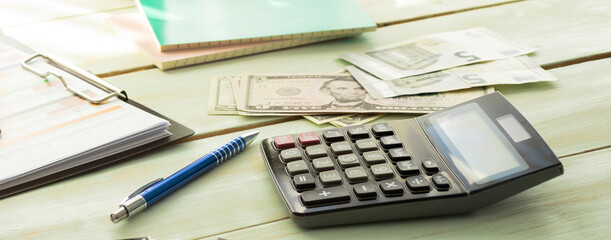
x=284 y=142
x=308 y=138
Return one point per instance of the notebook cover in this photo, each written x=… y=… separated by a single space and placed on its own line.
x=132 y=26
x=182 y=24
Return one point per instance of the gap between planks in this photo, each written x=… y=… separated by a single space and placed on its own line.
x=242 y=228
x=237 y=129
x=578 y=60
x=445 y=13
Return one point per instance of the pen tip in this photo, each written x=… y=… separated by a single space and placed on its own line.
x=250 y=136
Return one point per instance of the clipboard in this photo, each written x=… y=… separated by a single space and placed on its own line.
x=58 y=172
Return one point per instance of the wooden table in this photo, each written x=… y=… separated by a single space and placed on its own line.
x=239 y=201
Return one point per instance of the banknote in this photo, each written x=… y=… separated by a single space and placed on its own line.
x=356 y=120
x=334 y=93
x=221 y=99
x=436 y=52
x=320 y=119
x=514 y=70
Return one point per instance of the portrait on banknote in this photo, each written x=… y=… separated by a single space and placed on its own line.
x=346 y=93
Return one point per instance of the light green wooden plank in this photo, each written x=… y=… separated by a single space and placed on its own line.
x=243 y=182
x=17 y=12
x=389 y=11
x=188 y=87
x=572 y=206
x=240 y=194
x=573 y=114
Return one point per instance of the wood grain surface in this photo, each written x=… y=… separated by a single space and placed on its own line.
x=239 y=201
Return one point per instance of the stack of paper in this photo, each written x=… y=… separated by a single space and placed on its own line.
x=47 y=129
x=177 y=33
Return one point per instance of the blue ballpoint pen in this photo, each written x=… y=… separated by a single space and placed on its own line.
x=152 y=192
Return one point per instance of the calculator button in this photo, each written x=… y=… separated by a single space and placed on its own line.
x=325 y=196
x=333 y=135
x=382 y=129
x=391 y=187
x=391 y=142
x=430 y=166
x=316 y=151
x=322 y=164
x=304 y=182
x=418 y=184
x=357 y=132
x=296 y=167
x=364 y=145
x=408 y=167
x=382 y=171
x=374 y=157
x=284 y=142
x=365 y=191
x=308 y=138
x=290 y=155
x=441 y=182
x=398 y=154
x=348 y=160
x=330 y=178
x=356 y=174
x=341 y=148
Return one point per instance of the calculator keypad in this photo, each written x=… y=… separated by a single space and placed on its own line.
x=333 y=135
x=365 y=191
x=357 y=164
x=348 y=160
x=284 y=142
x=356 y=174
x=290 y=155
x=309 y=138
x=322 y=164
x=316 y=151
x=304 y=181
x=296 y=167
x=341 y=148
x=330 y=178
x=374 y=157
x=325 y=196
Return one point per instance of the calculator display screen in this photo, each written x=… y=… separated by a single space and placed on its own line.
x=476 y=146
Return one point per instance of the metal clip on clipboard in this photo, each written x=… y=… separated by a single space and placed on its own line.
x=77 y=72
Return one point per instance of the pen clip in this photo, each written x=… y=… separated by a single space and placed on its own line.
x=141 y=189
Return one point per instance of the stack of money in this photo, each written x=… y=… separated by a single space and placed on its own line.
x=328 y=94
x=444 y=62
x=419 y=76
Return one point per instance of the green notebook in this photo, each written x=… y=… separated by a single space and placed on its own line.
x=183 y=24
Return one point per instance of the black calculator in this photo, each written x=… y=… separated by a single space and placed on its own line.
x=452 y=161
